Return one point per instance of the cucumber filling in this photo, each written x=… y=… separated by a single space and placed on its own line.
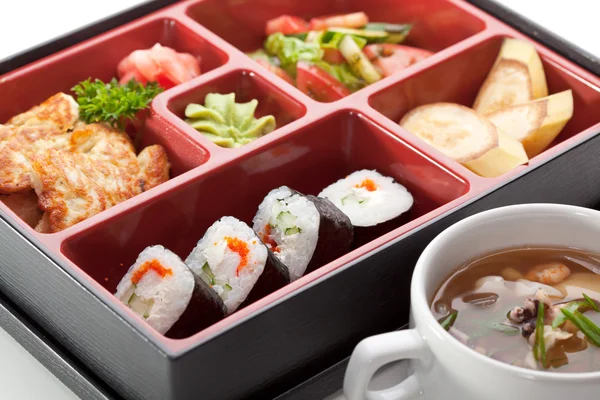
x=207 y=275
x=141 y=306
x=220 y=282
x=129 y=293
x=292 y=231
x=226 y=290
x=286 y=221
x=351 y=199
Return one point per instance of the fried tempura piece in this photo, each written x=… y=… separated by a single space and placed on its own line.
x=154 y=167
x=103 y=143
x=40 y=128
x=44 y=225
x=5 y=132
x=60 y=111
x=100 y=171
x=76 y=169
x=18 y=147
x=73 y=186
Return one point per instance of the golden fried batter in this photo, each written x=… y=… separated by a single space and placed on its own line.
x=154 y=167
x=17 y=149
x=73 y=186
x=5 y=132
x=60 y=111
x=100 y=171
x=40 y=128
x=76 y=169
x=103 y=143
x=44 y=225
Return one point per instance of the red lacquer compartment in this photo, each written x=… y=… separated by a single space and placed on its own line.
x=459 y=78
x=247 y=86
x=183 y=155
x=307 y=161
x=98 y=58
x=436 y=24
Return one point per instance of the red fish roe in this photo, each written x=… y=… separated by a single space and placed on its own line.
x=266 y=238
x=368 y=184
x=153 y=265
x=239 y=246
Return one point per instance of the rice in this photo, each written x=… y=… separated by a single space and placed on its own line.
x=288 y=223
x=157 y=287
x=368 y=198
x=230 y=258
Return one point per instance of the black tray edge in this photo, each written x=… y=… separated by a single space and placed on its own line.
x=323 y=384
x=51 y=355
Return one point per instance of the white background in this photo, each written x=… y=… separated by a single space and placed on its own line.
x=45 y=19
x=26 y=23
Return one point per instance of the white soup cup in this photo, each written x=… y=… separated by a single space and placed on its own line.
x=442 y=367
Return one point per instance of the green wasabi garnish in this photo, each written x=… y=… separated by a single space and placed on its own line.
x=227 y=123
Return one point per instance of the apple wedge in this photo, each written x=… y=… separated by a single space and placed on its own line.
x=455 y=130
x=500 y=160
x=537 y=123
x=516 y=77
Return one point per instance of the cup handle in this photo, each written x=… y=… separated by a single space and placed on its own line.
x=376 y=351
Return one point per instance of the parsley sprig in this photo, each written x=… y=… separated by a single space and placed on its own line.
x=111 y=102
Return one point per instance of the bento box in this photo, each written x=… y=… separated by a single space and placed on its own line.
x=67 y=279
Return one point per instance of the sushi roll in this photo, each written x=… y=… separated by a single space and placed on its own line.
x=160 y=288
x=236 y=264
x=304 y=232
x=370 y=200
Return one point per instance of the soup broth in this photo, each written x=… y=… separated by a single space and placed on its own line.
x=492 y=305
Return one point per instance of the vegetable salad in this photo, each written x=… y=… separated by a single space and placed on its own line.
x=330 y=57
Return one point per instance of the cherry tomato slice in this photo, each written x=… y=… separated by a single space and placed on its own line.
x=286 y=24
x=318 y=84
x=392 y=58
x=333 y=56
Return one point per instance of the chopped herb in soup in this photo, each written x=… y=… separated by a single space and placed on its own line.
x=536 y=308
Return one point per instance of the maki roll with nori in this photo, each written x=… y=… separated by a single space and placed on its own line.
x=370 y=200
x=236 y=264
x=160 y=288
x=304 y=232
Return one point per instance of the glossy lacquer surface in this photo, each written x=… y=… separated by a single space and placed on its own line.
x=314 y=143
